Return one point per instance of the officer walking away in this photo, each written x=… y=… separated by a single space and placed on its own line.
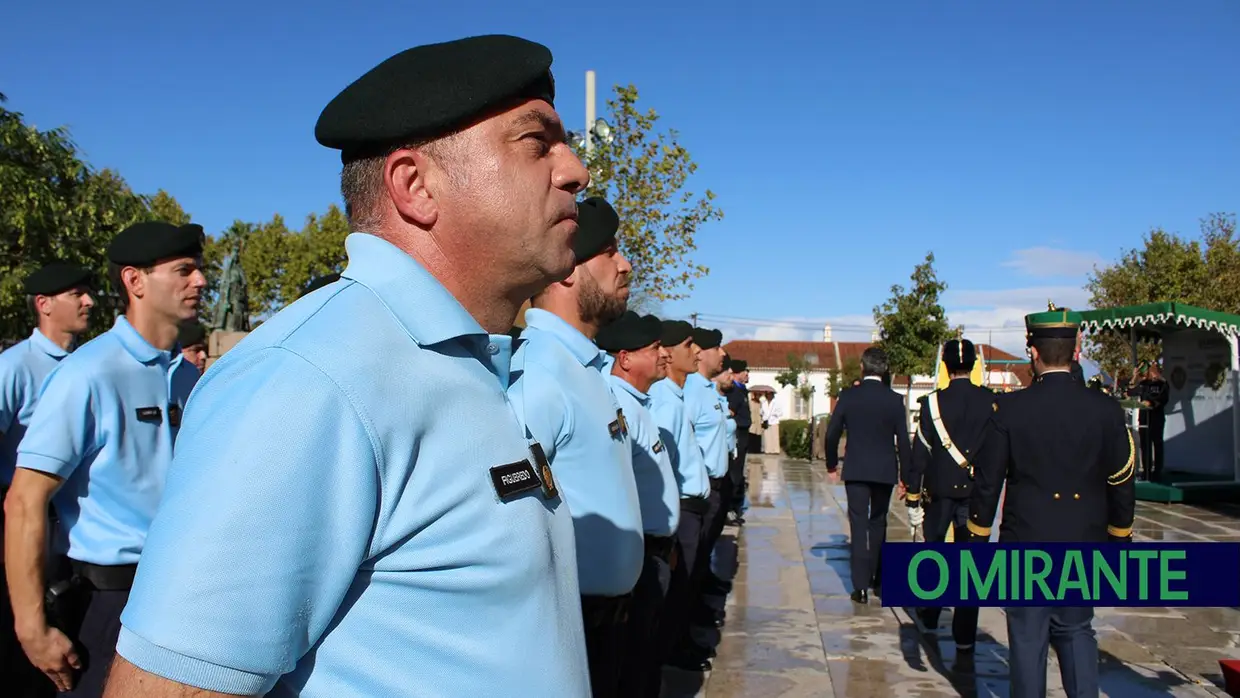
x=874 y=416
x=355 y=509
x=639 y=360
x=193 y=342
x=100 y=442
x=564 y=398
x=59 y=295
x=671 y=414
x=739 y=403
x=1067 y=458
x=950 y=429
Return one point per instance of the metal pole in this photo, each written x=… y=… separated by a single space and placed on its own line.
x=589 y=111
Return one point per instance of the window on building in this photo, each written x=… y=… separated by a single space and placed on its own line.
x=800 y=407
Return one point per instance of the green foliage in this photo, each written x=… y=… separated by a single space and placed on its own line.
x=1168 y=268
x=797 y=375
x=794 y=438
x=912 y=323
x=53 y=206
x=643 y=174
x=840 y=378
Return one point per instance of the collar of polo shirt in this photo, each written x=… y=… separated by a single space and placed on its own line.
x=47 y=346
x=140 y=349
x=577 y=343
x=418 y=301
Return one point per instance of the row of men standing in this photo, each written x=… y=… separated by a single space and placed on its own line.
x=379 y=491
x=640 y=420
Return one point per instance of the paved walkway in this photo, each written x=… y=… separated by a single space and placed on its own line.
x=792 y=630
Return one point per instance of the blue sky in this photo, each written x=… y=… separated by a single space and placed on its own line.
x=1020 y=141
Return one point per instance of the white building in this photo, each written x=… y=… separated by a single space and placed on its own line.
x=767 y=359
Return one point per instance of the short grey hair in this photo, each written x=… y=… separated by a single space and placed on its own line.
x=873 y=362
x=361 y=181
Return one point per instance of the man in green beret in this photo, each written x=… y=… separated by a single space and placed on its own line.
x=366 y=513
x=60 y=296
x=1066 y=456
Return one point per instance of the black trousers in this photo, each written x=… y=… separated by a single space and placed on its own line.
x=942 y=514
x=754 y=444
x=96 y=641
x=1070 y=629
x=1152 y=448
x=606 y=620
x=674 y=628
x=641 y=675
x=868 y=503
x=736 y=472
x=716 y=517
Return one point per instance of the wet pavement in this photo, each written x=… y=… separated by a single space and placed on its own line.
x=793 y=631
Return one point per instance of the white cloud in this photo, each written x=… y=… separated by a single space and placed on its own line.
x=1045 y=262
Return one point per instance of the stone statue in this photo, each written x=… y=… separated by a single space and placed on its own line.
x=232 y=312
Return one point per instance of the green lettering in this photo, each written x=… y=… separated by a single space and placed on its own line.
x=970 y=576
x=1073 y=563
x=912 y=575
x=1014 y=582
x=1143 y=578
x=1164 y=558
x=1039 y=577
x=1118 y=584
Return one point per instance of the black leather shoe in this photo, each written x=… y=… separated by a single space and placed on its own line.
x=701 y=651
x=861 y=596
x=706 y=621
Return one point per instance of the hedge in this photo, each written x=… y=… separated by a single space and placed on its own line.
x=794 y=438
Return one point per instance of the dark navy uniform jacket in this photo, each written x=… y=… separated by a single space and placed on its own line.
x=964 y=411
x=878 y=449
x=1067 y=456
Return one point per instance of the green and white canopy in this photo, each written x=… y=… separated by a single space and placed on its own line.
x=1151 y=320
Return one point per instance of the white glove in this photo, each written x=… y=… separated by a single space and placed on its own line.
x=916 y=515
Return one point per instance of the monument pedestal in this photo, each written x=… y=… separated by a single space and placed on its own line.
x=221 y=341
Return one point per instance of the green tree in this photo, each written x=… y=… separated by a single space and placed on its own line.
x=1167 y=268
x=912 y=324
x=53 y=206
x=643 y=173
x=163 y=207
x=317 y=250
x=842 y=377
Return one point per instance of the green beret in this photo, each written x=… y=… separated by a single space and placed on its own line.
x=320 y=282
x=144 y=244
x=707 y=339
x=430 y=91
x=54 y=278
x=629 y=333
x=1056 y=323
x=597 y=223
x=739 y=366
x=675 y=332
x=959 y=355
x=191 y=333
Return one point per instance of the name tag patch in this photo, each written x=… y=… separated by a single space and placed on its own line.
x=152 y=415
x=513 y=479
x=544 y=469
x=174 y=415
x=658 y=446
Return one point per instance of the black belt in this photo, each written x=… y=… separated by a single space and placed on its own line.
x=717 y=482
x=604 y=610
x=106 y=577
x=659 y=546
x=695 y=505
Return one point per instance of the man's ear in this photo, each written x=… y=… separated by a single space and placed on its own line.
x=408 y=179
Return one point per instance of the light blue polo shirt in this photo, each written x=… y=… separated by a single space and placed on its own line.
x=23 y=367
x=569 y=409
x=333 y=524
x=667 y=406
x=709 y=419
x=105 y=423
x=731 y=421
x=657 y=489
